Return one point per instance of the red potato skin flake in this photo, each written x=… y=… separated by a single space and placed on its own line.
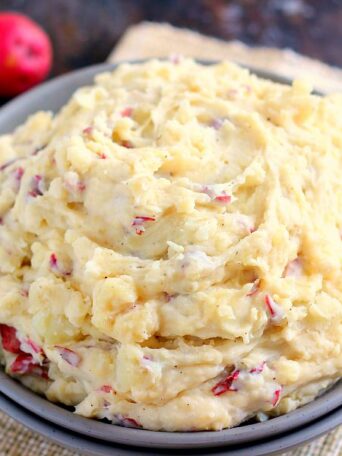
x=221 y=198
x=87 y=130
x=35 y=189
x=53 y=261
x=147 y=357
x=24 y=362
x=269 y=305
x=139 y=221
x=106 y=389
x=168 y=297
x=41 y=371
x=255 y=288
x=18 y=173
x=69 y=356
x=258 y=369
x=10 y=342
x=127 y=144
x=54 y=266
x=81 y=186
x=24 y=292
x=226 y=384
x=102 y=156
x=276 y=397
x=217 y=123
x=35 y=347
x=127 y=112
x=131 y=422
x=33 y=194
x=226 y=199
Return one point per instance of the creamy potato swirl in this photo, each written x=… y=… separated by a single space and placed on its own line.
x=170 y=247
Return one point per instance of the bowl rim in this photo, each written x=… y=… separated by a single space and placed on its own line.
x=11 y=114
x=93 y=447
x=326 y=403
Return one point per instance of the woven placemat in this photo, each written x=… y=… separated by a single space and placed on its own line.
x=154 y=40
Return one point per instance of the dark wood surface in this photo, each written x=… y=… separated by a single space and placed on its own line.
x=84 y=31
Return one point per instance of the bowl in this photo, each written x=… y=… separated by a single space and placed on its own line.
x=61 y=416
x=87 y=446
x=34 y=410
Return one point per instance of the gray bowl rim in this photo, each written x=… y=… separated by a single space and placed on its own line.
x=93 y=447
x=51 y=96
x=60 y=416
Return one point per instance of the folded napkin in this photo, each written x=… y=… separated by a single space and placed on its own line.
x=160 y=40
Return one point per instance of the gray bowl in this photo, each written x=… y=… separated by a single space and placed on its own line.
x=254 y=432
x=87 y=446
x=51 y=96
x=59 y=416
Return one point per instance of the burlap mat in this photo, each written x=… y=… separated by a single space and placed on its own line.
x=153 y=40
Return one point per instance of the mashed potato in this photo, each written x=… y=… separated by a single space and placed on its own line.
x=170 y=247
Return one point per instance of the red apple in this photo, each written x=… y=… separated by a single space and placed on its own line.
x=25 y=54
